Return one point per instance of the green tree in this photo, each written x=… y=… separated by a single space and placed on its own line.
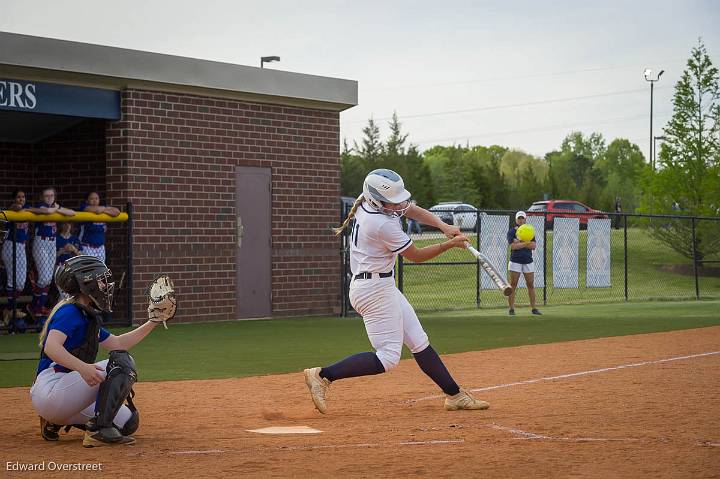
x=624 y=167
x=689 y=159
x=371 y=147
x=574 y=170
x=396 y=142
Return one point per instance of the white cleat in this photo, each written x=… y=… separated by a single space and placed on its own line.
x=318 y=388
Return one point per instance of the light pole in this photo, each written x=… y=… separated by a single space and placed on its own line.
x=649 y=78
x=654 y=160
x=268 y=60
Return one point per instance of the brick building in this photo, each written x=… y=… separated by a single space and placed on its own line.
x=233 y=172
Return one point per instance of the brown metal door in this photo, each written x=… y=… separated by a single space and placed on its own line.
x=253 y=242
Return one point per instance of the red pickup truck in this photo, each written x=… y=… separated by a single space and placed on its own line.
x=552 y=209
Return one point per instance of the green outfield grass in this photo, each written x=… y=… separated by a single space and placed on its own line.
x=444 y=287
x=248 y=348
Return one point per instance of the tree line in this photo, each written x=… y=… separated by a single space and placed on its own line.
x=583 y=168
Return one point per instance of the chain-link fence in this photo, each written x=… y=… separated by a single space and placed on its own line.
x=35 y=248
x=580 y=258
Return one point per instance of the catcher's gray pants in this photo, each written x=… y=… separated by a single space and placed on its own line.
x=65 y=398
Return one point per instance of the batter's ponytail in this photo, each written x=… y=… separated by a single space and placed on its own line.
x=350 y=215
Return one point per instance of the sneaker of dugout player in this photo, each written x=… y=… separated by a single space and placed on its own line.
x=318 y=388
x=463 y=400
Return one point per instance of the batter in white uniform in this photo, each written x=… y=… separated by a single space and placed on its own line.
x=377 y=238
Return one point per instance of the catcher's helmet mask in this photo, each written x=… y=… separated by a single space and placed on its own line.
x=383 y=186
x=89 y=276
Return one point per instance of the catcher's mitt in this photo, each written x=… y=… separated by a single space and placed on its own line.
x=163 y=303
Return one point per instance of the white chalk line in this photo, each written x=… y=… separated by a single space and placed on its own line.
x=209 y=451
x=371 y=444
x=437 y=441
x=525 y=435
x=577 y=374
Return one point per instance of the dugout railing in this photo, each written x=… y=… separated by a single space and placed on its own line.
x=621 y=257
x=18 y=313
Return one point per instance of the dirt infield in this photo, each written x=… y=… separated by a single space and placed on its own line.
x=656 y=416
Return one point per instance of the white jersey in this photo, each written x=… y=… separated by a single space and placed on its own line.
x=375 y=241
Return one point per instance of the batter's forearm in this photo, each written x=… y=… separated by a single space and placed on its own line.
x=430 y=252
x=423 y=216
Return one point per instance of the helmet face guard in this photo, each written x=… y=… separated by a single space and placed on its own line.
x=100 y=288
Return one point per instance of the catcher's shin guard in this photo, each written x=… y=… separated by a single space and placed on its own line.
x=121 y=376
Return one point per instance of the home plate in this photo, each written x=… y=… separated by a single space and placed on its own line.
x=286 y=430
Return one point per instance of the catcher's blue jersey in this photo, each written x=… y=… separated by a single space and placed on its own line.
x=70 y=320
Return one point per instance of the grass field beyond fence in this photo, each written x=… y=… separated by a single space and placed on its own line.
x=248 y=348
x=437 y=287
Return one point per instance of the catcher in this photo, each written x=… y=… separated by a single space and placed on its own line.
x=70 y=388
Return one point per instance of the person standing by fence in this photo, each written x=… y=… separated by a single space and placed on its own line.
x=413 y=224
x=18 y=232
x=92 y=235
x=521 y=261
x=45 y=251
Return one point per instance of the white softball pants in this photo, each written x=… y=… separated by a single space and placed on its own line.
x=20 y=264
x=389 y=319
x=65 y=398
x=44 y=252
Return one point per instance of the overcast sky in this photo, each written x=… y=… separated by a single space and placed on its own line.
x=517 y=73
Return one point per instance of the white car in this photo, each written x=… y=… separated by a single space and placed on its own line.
x=462 y=215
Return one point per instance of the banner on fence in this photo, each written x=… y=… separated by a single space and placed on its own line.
x=598 y=253
x=537 y=222
x=493 y=244
x=565 y=252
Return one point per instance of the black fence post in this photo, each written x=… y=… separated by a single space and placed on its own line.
x=695 y=260
x=478 y=279
x=129 y=209
x=625 y=218
x=545 y=248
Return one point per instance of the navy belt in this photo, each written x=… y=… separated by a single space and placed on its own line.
x=370 y=275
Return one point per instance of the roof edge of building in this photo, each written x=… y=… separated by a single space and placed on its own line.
x=29 y=57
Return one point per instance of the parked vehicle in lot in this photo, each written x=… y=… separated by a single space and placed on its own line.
x=564 y=209
x=456 y=213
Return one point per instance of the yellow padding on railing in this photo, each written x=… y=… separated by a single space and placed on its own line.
x=80 y=217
